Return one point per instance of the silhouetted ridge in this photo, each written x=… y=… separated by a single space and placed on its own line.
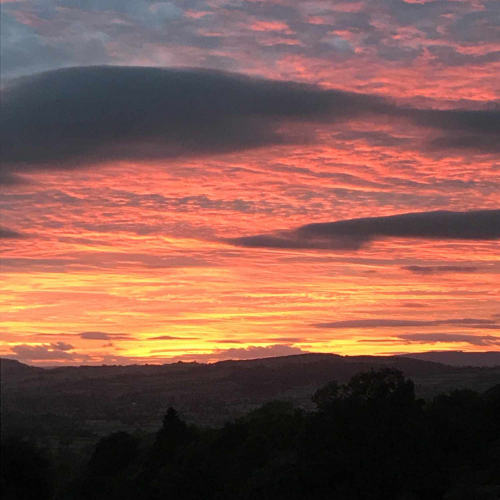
x=12 y=369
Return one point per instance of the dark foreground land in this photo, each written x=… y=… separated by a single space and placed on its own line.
x=367 y=438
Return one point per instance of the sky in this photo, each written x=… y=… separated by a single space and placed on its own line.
x=211 y=179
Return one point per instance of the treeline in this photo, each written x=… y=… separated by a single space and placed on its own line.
x=367 y=439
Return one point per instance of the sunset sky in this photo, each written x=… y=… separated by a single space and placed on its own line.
x=212 y=179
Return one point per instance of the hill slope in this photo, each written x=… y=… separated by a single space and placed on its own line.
x=459 y=358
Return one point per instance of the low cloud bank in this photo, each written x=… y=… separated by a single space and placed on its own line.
x=47 y=352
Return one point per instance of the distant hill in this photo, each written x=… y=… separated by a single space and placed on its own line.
x=13 y=369
x=459 y=358
x=102 y=399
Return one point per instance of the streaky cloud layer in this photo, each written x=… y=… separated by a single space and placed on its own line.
x=355 y=233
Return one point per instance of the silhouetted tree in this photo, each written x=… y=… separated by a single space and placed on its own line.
x=173 y=433
x=386 y=387
x=363 y=440
x=25 y=471
x=112 y=456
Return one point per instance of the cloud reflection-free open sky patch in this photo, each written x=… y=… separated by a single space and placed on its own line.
x=213 y=179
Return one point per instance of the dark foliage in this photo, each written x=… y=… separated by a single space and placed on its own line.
x=111 y=458
x=369 y=438
x=25 y=471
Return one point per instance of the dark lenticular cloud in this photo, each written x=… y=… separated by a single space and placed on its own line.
x=426 y=338
x=170 y=337
x=7 y=234
x=402 y=323
x=353 y=234
x=426 y=270
x=103 y=336
x=79 y=116
x=73 y=116
x=478 y=130
x=95 y=336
